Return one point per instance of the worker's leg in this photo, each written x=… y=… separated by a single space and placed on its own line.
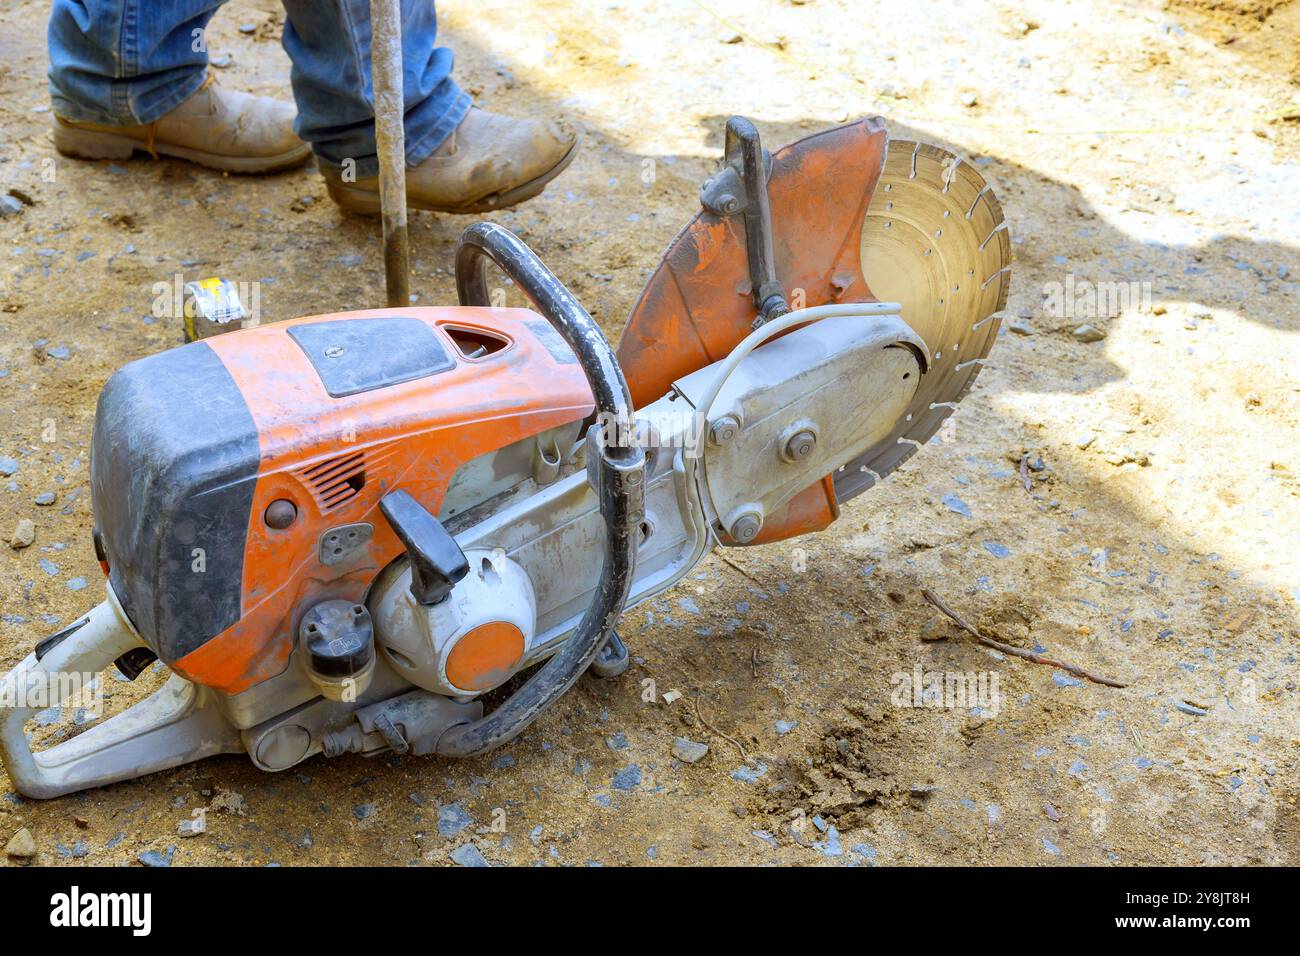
x=329 y=43
x=126 y=62
x=461 y=158
x=131 y=76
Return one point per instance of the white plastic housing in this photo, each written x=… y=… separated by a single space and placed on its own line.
x=416 y=640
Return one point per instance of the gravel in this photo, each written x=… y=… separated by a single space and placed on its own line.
x=24 y=534
x=689 y=751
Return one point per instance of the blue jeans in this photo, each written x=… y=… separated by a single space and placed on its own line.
x=128 y=62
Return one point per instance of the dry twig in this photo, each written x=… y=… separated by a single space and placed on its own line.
x=708 y=726
x=748 y=574
x=1016 y=651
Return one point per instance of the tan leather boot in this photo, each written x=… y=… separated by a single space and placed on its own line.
x=217 y=128
x=489 y=162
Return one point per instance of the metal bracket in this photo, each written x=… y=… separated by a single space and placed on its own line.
x=740 y=188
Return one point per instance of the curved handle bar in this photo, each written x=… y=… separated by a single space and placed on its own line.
x=620 y=479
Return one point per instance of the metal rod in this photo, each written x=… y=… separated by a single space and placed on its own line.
x=390 y=144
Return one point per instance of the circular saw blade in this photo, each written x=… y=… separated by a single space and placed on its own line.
x=935 y=241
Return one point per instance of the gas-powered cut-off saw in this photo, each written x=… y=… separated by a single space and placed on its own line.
x=339 y=532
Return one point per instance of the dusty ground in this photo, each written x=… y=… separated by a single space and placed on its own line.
x=1127 y=142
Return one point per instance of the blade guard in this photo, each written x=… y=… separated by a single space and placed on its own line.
x=697 y=306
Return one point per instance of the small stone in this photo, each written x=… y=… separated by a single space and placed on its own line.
x=24 y=534
x=22 y=845
x=230 y=802
x=729 y=36
x=783 y=727
x=1089 y=333
x=45 y=499
x=956 y=505
x=153 y=858
x=831 y=846
x=1020 y=327
x=689 y=751
x=969 y=100
x=1128 y=456
x=1052 y=813
x=629 y=778
x=452 y=818
x=935 y=629
x=222 y=61
x=9 y=206
x=190 y=828
x=8 y=466
x=247 y=28
x=468 y=855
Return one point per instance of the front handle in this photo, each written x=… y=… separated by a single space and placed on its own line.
x=619 y=474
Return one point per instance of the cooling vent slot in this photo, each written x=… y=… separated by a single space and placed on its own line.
x=337 y=480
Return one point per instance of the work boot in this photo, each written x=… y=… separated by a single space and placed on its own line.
x=221 y=129
x=489 y=162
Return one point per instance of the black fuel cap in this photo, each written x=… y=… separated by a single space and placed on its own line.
x=338 y=638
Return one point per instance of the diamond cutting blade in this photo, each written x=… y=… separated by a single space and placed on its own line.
x=933 y=240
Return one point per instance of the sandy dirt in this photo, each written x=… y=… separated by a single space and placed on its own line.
x=1159 y=543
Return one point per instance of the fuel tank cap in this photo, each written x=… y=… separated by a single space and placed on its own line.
x=338 y=639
